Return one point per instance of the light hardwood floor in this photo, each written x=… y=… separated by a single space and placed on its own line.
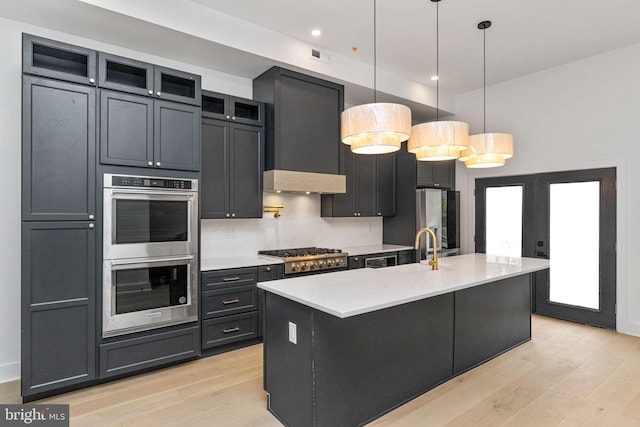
x=567 y=375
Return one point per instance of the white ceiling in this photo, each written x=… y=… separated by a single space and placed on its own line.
x=526 y=36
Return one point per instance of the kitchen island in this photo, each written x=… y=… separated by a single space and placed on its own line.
x=343 y=348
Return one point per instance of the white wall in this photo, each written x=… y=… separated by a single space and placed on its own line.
x=577 y=116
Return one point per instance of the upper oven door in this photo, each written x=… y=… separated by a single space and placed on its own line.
x=140 y=223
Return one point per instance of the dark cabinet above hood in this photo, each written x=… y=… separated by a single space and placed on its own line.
x=302 y=131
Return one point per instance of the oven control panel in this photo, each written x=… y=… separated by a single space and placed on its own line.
x=149 y=182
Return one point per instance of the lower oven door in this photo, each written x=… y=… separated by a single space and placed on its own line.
x=141 y=294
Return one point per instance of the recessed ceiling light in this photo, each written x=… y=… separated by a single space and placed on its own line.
x=434 y=78
x=316 y=33
x=307 y=192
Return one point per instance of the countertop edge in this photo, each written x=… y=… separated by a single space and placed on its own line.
x=273 y=288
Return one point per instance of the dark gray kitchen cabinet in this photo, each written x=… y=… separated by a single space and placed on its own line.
x=58 y=305
x=61 y=61
x=143 y=132
x=142 y=78
x=166 y=346
x=58 y=151
x=232 y=166
x=370 y=186
x=229 y=306
x=302 y=121
x=226 y=107
x=400 y=229
x=436 y=174
x=406 y=256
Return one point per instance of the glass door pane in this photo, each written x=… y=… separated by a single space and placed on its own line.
x=504 y=220
x=574 y=242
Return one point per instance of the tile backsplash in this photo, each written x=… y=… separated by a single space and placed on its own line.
x=299 y=225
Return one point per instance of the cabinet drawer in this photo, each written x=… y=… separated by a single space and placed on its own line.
x=270 y=272
x=135 y=354
x=227 y=278
x=228 y=329
x=223 y=302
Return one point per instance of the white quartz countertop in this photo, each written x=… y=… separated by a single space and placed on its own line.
x=374 y=249
x=349 y=293
x=207 y=264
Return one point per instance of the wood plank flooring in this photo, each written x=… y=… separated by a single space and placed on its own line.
x=568 y=375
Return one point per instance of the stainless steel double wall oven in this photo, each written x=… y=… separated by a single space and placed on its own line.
x=150 y=253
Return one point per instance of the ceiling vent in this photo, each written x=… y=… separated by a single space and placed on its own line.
x=320 y=56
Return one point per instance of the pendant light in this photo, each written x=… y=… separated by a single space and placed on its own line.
x=487 y=150
x=437 y=141
x=375 y=128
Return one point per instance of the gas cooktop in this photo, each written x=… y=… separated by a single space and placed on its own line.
x=309 y=260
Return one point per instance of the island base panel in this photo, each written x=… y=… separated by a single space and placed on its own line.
x=491 y=319
x=346 y=372
x=288 y=371
x=369 y=364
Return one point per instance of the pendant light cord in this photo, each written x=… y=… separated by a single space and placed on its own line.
x=437 y=62
x=375 y=49
x=484 y=80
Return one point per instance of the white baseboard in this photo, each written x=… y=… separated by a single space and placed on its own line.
x=9 y=372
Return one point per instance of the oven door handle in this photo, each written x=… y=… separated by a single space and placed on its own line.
x=177 y=193
x=154 y=260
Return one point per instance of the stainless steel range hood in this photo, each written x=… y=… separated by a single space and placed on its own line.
x=304 y=182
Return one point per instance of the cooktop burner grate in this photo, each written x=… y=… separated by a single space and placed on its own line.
x=296 y=252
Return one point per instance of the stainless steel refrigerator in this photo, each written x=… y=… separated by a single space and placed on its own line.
x=438 y=210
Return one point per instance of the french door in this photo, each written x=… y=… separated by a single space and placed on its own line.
x=566 y=217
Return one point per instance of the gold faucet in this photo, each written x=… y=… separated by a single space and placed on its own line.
x=274 y=209
x=433 y=262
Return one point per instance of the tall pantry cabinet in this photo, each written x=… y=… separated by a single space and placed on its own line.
x=58 y=216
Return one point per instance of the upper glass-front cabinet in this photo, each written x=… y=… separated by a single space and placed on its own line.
x=62 y=61
x=141 y=78
x=125 y=74
x=225 y=107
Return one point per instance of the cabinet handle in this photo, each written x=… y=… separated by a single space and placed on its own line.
x=233 y=215
x=158 y=164
x=226 y=331
x=233 y=118
x=150 y=92
x=268 y=269
x=228 y=117
x=150 y=163
x=379 y=214
x=92 y=217
x=231 y=301
x=92 y=225
x=231 y=279
x=227 y=215
x=158 y=93
x=92 y=80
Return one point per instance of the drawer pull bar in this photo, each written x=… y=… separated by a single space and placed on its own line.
x=226 y=331
x=231 y=301
x=231 y=279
